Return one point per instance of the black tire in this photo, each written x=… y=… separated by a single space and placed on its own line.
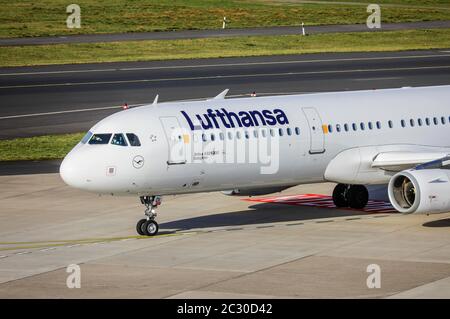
x=340 y=195
x=151 y=228
x=140 y=227
x=358 y=196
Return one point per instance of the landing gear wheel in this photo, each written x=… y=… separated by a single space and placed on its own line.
x=140 y=227
x=340 y=195
x=151 y=228
x=148 y=226
x=358 y=196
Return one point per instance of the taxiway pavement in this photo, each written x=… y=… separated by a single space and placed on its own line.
x=211 y=246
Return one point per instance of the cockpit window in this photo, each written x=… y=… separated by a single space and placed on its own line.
x=100 y=139
x=119 y=139
x=86 y=137
x=133 y=139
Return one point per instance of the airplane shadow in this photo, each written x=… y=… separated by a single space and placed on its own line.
x=260 y=213
x=438 y=223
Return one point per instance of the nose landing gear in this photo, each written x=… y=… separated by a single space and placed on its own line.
x=148 y=226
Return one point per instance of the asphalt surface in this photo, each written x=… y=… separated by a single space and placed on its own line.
x=29 y=167
x=72 y=98
x=216 y=33
x=213 y=246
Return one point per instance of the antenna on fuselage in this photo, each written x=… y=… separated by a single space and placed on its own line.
x=155 y=101
x=221 y=95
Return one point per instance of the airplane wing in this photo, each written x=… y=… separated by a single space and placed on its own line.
x=376 y=165
x=399 y=161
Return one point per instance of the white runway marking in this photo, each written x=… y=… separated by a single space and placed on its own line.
x=252 y=75
x=229 y=64
x=67 y=111
x=48 y=249
x=130 y=105
x=23 y=253
x=76 y=245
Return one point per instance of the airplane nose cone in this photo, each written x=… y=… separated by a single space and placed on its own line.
x=69 y=171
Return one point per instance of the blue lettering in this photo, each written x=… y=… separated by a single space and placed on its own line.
x=209 y=120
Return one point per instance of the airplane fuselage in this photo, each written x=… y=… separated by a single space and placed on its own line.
x=209 y=145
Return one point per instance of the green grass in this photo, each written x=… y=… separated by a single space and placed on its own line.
x=427 y=3
x=48 y=17
x=38 y=148
x=223 y=47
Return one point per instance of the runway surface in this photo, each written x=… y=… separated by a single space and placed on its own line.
x=217 y=33
x=29 y=167
x=72 y=98
x=212 y=246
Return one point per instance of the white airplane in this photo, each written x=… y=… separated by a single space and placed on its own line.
x=399 y=138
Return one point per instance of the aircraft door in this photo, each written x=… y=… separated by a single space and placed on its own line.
x=317 y=137
x=175 y=139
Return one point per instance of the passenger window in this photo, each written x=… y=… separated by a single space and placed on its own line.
x=411 y=121
x=362 y=126
x=370 y=125
x=263 y=133
x=86 y=137
x=354 y=127
x=330 y=128
x=289 y=131
x=119 y=139
x=204 y=139
x=230 y=135
x=246 y=134
x=280 y=131
x=297 y=131
x=238 y=135
x=255 y=133
x=419 y=121
x=213 y=137
x=133 y=139
x=338 y=127
x=427 y=121
x=443 y=120
x=346 y=127
x=272 y=133
x=403 y=123
x=378 y=125
x=391 y=125
x=100 y=139
x=221 y=136
x=435 y=120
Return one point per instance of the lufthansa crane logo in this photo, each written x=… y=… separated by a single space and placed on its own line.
x=138 y=161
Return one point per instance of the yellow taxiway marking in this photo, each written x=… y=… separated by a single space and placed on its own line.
x=59 y=243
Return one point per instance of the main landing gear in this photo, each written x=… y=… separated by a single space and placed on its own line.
x=353 y=196
x=148 y=226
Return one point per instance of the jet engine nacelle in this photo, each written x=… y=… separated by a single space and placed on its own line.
x=255 y=191
x=420 y=191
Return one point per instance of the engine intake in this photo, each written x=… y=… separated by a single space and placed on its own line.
x=420 y=191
